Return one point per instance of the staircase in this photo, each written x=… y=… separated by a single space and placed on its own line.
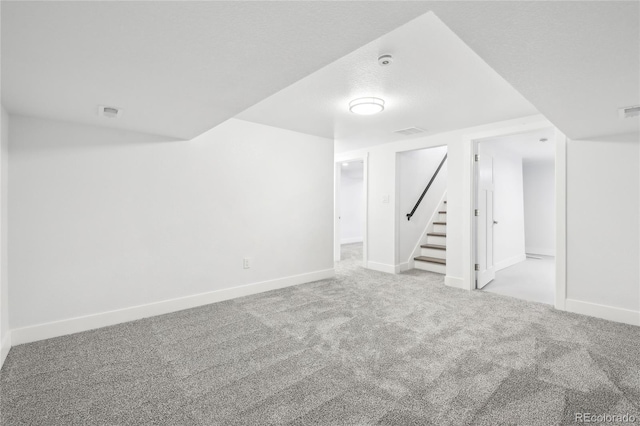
x=433 y=254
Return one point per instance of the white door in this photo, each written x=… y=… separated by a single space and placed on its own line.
x=484 y=253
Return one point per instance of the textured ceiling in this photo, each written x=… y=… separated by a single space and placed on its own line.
x=435 y=82
x=176 y=68
x=180 y=68
x=576 y=61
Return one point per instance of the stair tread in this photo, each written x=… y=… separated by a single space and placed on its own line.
x=430 y=259
x=437 y=234
x=434 y=246
x=439 y=223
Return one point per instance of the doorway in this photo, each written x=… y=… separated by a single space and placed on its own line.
x=350 y=212
x=515 y=215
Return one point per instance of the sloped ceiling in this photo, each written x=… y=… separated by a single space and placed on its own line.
x=576 y=61
x=436 y=83
x=176 y=68
x=180 y=68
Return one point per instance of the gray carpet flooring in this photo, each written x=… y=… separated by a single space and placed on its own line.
x=364 y=348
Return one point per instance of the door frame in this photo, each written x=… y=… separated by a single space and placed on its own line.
x=484 y=215
x=470 y=142
x=337 y=170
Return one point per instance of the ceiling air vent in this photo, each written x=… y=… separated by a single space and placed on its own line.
x=109 y=112
x=410 y=131
x=631 y=111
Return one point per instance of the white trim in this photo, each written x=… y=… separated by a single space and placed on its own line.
x=338 y=160
x=455 y=282
x=5 y=346
x=397 y=215
x=468 y=226
x=540 y=251
x=469 y=148
x=403 y=267
x=103 y=319
x=510 y=261
x=561 y=220
x=351 y=240
x=337 y=230
x=610 y=313
x=365 y=229
x=381 y=267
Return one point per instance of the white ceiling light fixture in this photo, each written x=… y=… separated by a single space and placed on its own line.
x=345 y=164
x=366 y=106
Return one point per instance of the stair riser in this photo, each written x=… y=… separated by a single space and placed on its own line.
x=442 y=217
x=433 y=267
x=429 y=252
x=440 y=228
x=436 y=240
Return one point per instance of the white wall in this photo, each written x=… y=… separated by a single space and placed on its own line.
x=415 y=169
x=103 y=219
x=5 y=335
x=539 y=207
x=603 y=206
x=602 y=261
x=508 y=205
x=351 y=204
x=383 y=251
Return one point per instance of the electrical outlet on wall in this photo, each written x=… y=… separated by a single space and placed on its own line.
x=246 y=263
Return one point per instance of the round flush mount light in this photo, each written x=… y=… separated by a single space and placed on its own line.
x=345 y=164
x=366 y=106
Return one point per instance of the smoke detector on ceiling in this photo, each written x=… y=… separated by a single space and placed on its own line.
x=385 y=60
x=630 y=111
x=109 y=112
x=410 y=131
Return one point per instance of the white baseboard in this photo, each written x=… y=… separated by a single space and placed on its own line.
x=103 y=319
x=351 y=240
x=382 y=267
x=610 y=313
x=402 y=267
x=455 y=282
x=541 y=251
x=510 y=261
x=5 y=345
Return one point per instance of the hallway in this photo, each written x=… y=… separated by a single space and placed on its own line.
x=531 y=280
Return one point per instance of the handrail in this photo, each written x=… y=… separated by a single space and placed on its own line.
x=427 y=188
